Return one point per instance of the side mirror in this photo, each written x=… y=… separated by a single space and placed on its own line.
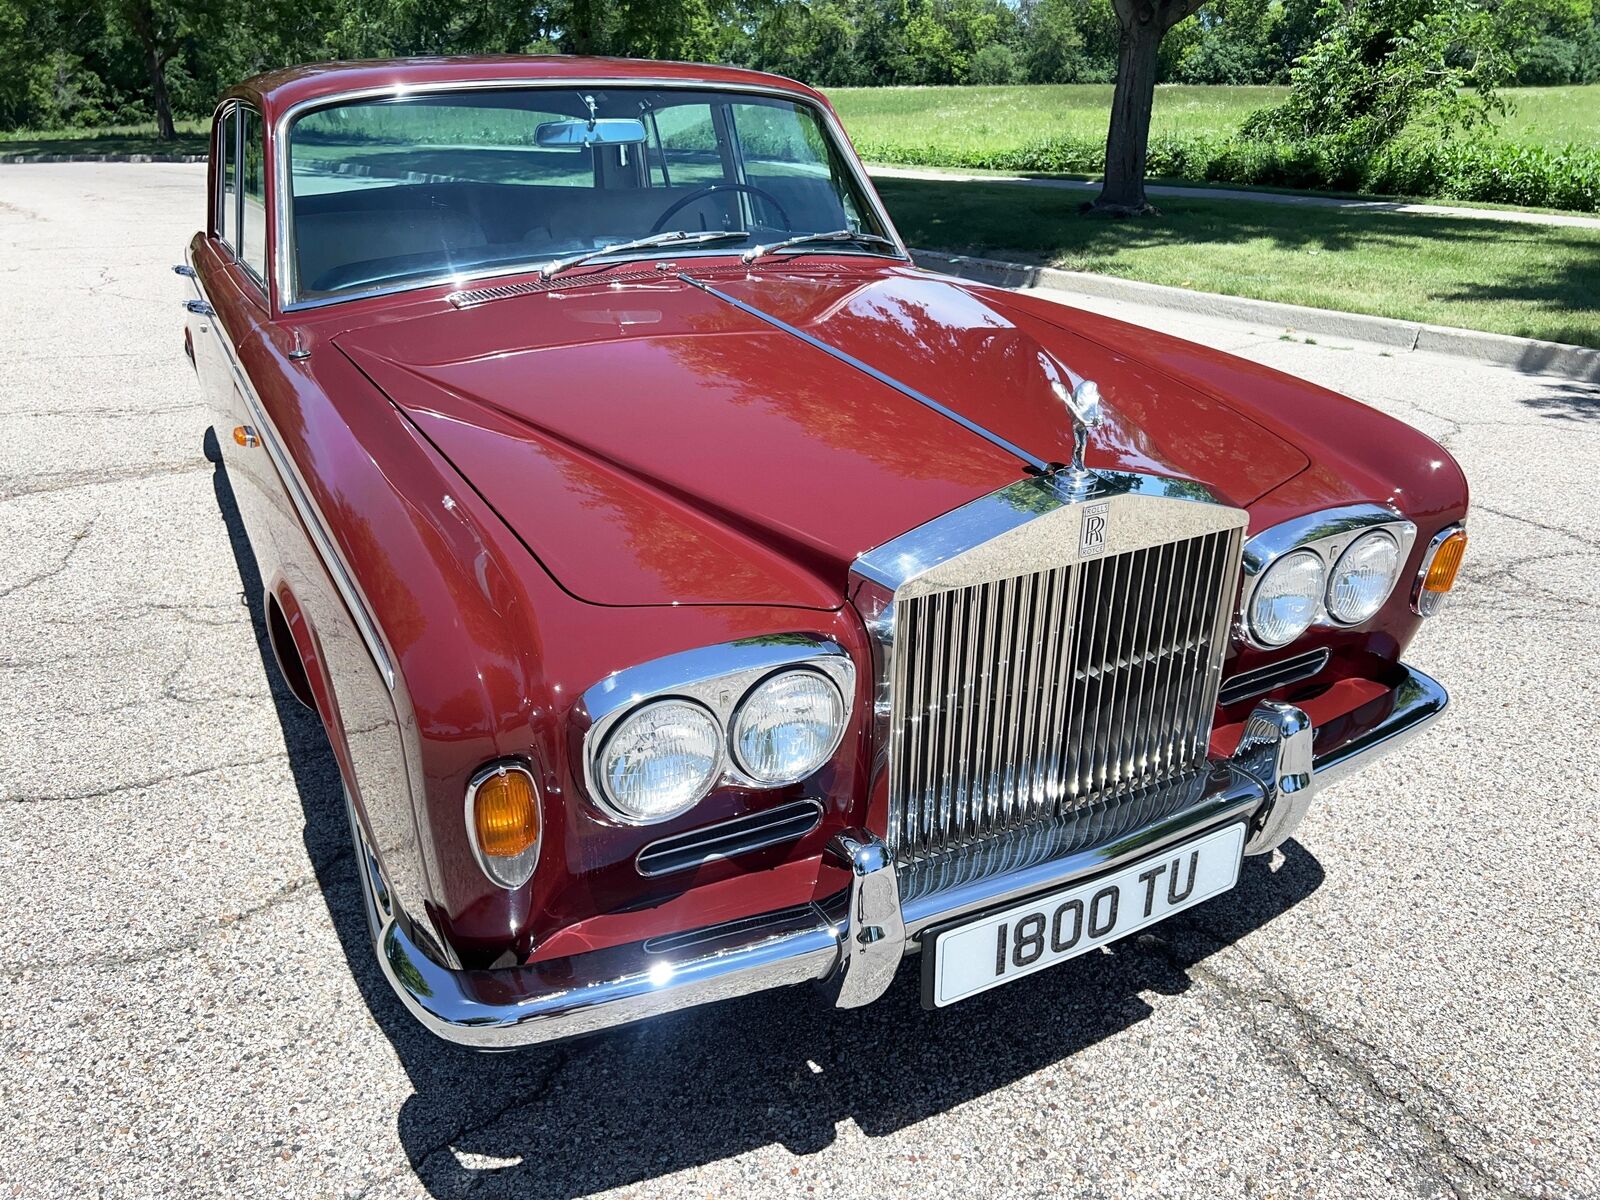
x=604 y=131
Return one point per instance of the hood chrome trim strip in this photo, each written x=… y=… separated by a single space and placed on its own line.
x=1033 y=462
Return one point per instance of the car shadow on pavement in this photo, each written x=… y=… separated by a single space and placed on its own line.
x=778 y=1068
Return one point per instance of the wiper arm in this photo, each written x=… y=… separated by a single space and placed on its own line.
x=836 y=235
x=678 y=237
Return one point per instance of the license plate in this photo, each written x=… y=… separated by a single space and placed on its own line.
x=1052 y=928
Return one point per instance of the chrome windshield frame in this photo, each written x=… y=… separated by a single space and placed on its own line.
x=287 y=290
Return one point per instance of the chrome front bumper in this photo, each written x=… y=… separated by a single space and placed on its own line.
x=852 y=943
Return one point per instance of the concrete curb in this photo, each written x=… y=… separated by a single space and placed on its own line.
x=1524 y=354
x=17 y=160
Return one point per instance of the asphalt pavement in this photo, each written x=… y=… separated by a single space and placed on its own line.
x=1405 y=1002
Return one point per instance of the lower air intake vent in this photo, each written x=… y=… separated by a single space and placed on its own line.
x=742 y=835
x=1272 y=676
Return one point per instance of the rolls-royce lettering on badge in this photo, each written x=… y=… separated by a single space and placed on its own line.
x=700 y=598
x=1092 y=530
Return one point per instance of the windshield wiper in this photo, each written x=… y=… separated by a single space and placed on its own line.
x=836 y=235
x=678 y=237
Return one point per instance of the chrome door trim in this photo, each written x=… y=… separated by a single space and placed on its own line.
x=288 y=286
x=310 y=517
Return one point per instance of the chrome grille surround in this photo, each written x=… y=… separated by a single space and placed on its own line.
x=1031 y=673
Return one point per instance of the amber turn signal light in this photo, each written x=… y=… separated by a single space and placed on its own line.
x=1439 y=571
x=505 y=812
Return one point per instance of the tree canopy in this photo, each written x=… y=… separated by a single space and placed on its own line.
x=100 y=62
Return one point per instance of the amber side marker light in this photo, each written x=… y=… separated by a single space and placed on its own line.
x=1439 y=571
x=503 y=819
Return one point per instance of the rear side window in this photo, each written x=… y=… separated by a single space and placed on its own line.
x=253 y=192
x=228 y=181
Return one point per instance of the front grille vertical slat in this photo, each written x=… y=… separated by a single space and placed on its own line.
x=1088 y=616
x=1063 y=693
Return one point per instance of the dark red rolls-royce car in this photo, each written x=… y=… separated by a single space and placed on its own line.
x=700 y=598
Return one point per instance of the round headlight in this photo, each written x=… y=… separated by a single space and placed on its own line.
x=661 y=760
x=1287 y=598
x=1363 y=577
x=787 y=727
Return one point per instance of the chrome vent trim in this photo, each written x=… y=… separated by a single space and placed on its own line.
x=726 y=839
x=529 y=287
x=1285 y=671
x=1044 y=657
x=468 y=297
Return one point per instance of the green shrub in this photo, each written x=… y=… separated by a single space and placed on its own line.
x=995 y=63
x=1479 y=169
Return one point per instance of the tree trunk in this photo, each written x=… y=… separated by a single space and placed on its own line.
x=141 y=17
x=156 y=61
x=1122 y=194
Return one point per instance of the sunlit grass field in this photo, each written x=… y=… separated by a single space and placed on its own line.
x=1011 y=117
x=1527 y=280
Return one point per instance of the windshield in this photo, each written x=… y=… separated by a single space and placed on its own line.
x=397 y=192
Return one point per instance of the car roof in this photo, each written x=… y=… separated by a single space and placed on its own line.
x=275 y=92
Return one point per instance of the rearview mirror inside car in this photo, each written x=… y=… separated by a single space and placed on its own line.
x=604 y=131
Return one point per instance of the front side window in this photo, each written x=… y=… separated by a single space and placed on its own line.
x=228 y=180
x=253 y=191
x=400 y=192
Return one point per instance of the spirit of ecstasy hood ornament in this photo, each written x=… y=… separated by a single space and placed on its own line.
x=1083 y=403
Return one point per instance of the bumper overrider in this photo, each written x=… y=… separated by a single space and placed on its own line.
x=851 y=943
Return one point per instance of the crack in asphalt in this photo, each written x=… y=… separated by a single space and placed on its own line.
x=66 y=481
x=61 y=564
x=199 y=933
x=100 y=411
x=1593 y=544
x=1353 y=1056
x=138 y=784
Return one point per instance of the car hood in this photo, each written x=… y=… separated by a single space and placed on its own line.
x=652 y=443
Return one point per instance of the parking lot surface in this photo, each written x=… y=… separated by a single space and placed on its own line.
x=1405 y=1002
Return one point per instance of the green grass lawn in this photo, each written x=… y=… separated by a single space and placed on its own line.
x=1528 y=280
x=121 y=139
x=1011 y=117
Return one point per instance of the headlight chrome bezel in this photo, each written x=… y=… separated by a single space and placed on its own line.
x=1328 y=534
x=717 y=678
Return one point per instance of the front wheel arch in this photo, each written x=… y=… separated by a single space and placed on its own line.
x=287 y=654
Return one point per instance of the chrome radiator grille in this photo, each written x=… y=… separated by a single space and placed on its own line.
x=1044 y=694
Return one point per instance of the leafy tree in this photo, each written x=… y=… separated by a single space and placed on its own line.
x=1055 y=48
x=1382 y=65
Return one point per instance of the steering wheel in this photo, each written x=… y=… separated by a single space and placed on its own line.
x=710 y=189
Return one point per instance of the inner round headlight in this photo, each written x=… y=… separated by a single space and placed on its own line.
x=1363 y=577
x=1287 y=598
x=661 y=760
x=787 y=727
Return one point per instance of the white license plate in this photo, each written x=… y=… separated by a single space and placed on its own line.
x=1052 y=928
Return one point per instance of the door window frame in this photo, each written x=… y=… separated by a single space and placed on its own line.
x=229 y=127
